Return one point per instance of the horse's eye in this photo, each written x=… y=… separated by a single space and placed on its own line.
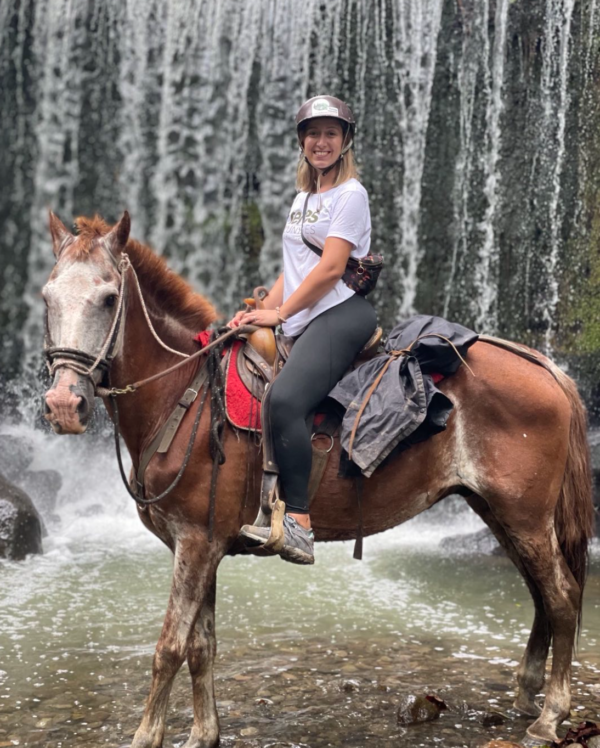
x=110 y=300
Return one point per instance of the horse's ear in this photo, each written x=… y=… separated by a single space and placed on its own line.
x=61 y=236
x=117 y=237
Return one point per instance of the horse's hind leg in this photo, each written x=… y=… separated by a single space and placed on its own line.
x=560 y=592
x=201 y=655
x=533 y=537
x=194 y=573
x=532 y=669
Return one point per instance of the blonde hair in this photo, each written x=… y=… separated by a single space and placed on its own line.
x=307 y=177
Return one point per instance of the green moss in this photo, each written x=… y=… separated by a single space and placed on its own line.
x=586 y=310
x=253 y=235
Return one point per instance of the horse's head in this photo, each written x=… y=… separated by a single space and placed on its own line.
x=83 y=307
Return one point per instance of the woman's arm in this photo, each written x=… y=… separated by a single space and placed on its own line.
x=321 y=279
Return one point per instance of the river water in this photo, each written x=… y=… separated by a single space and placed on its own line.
x=307 y=657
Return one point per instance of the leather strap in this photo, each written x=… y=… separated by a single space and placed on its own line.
x=259 y=362
x=310 y=245
x=162 y=441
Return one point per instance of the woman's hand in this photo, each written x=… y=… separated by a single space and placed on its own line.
x=235 y=322
x=261 y=317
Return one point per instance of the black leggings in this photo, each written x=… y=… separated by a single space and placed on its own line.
x=319 y=358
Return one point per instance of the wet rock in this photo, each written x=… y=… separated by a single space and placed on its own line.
x=249 y=732
x=264 y=702
x=350 y=685
x=492 y=719
x=20 y=523
x=414 y=709
x=16 y=455
x=481 y=542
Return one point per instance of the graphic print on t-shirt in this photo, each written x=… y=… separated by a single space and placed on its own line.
x=294 y=222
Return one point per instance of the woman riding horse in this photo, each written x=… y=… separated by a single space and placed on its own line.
x=329 y=321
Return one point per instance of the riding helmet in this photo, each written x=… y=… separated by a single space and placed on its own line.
x=327 y=106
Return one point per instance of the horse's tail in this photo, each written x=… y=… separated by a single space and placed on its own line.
x=574 y=515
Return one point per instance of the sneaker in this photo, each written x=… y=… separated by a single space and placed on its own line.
x=298 y=543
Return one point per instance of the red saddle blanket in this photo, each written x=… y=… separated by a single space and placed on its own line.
x=243 y=410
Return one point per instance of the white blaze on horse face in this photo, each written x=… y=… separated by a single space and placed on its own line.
x=81 y=301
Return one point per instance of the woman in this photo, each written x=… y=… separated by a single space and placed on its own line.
x=312 y=303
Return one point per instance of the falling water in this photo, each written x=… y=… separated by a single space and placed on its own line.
x=555 y=102
x=487 y=270
x=183 y=113
x=417 y=26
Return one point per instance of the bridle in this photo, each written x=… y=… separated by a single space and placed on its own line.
x=80 y=361
x=87 y=365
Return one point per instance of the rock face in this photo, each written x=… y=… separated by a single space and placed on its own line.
x=20 y=524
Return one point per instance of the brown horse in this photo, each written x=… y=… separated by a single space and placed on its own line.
x=515 y=448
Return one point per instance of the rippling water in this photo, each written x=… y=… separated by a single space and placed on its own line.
x=311 y=657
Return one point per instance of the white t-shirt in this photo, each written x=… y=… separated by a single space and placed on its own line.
x=342 y=211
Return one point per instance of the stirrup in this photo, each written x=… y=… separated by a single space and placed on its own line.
x=270 y=514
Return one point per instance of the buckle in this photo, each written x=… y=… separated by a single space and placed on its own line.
x=188 y=399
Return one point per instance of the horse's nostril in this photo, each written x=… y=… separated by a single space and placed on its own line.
x=45 y=407
x=82 y=408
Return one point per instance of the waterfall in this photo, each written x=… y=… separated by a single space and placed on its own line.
x=487 y=270
x=417 y=24
x=555 y=102
x=183 y=114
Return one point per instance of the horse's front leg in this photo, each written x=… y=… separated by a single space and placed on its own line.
x=194 y=573
x=201 y=656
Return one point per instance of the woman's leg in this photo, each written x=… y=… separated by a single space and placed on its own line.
x=317 y=362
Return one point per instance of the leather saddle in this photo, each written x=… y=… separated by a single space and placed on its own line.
x=265 y=353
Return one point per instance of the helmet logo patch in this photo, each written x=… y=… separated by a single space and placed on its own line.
x=322 y=108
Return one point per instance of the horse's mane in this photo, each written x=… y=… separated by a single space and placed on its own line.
x=171 y=294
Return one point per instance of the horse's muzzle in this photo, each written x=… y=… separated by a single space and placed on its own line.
x=69 y=402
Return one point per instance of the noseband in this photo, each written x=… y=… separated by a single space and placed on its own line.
x=80 y=361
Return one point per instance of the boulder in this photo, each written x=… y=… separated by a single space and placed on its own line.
x=16 y=455
x=20 y=524
x=480 y=542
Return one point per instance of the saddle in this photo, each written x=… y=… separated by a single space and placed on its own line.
x=264 y=354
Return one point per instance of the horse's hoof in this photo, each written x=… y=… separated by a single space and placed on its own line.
x=530 y=742
x=527 y=708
